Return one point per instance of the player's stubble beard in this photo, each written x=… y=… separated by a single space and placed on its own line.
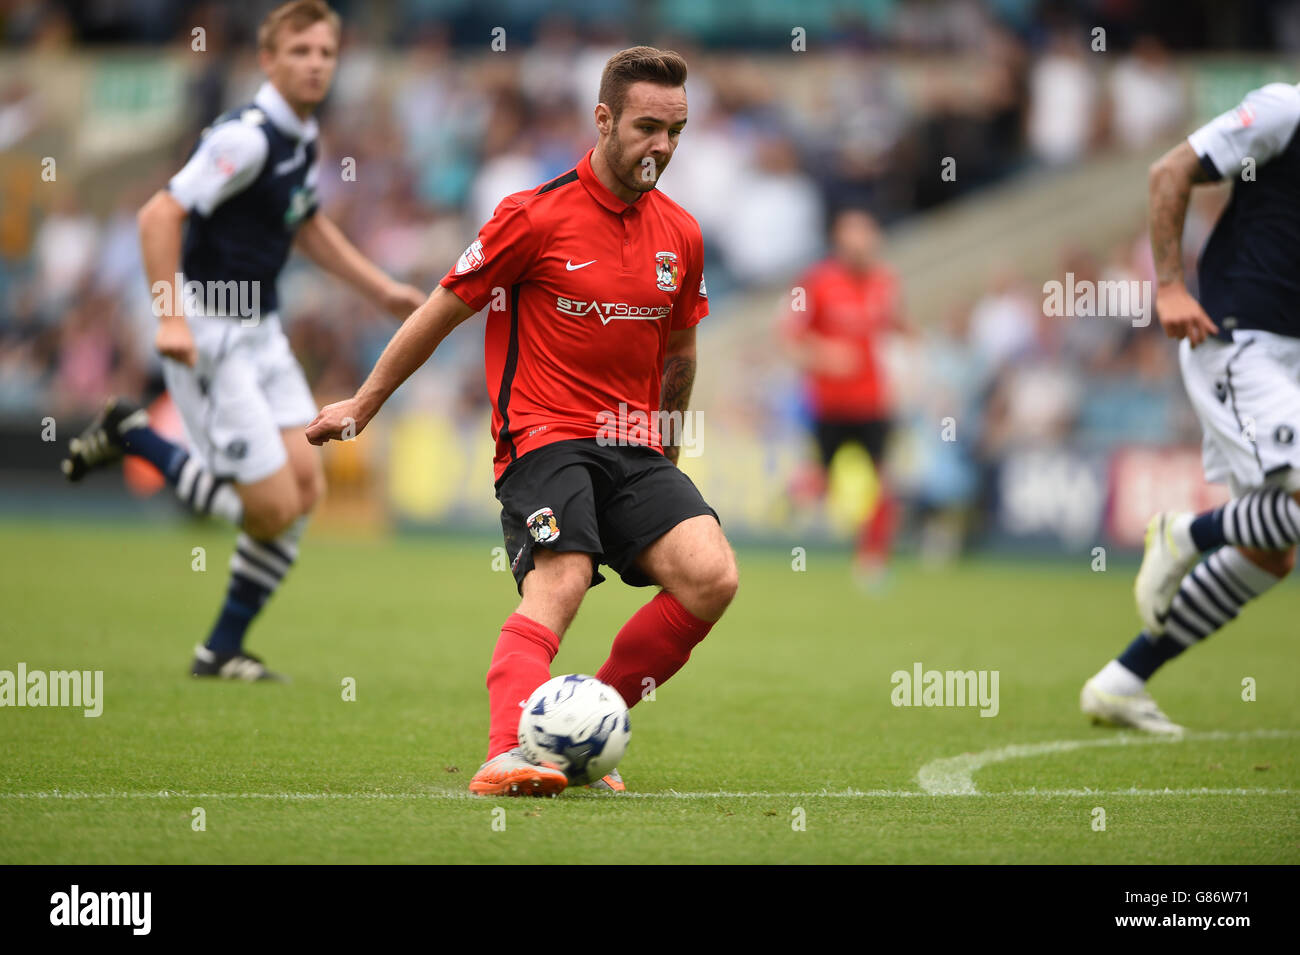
x=628 y=169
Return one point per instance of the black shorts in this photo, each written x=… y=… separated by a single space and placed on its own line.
x=609 y=502
x=871 y=433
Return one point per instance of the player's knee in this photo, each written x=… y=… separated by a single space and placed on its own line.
x=311 y=491
x=716 y=585
x=560 y=580
x=1279 y=563
x=570 y=580
x=268 y=519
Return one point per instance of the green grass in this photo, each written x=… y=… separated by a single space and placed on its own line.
x=789 y=695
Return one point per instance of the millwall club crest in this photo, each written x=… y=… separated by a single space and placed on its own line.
x=543 y=525
x=301 y=201
x=666 y=271
x=471 y=258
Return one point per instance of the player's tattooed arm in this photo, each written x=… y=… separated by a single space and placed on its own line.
x=675 y=390
x=1170 y=184
x=1171 y=180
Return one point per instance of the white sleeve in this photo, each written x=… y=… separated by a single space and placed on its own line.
x=1259 y=128
x=227 y=160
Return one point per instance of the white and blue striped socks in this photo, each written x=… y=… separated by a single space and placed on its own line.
x=1211 y=596
x=204 y=493
x=1267 y=519
x=257 y=568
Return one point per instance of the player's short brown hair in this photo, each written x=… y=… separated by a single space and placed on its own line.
x=296 y=15
x=639 y=64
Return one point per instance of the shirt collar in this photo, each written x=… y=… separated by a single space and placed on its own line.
x=278 y=110
x=598 y=190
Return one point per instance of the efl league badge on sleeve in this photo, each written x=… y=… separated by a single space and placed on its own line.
x=666 y=271
x=543 y=525
x=704 y=293
x=471 y=258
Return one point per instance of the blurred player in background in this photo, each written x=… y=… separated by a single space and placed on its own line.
x=851 y=303
x=246 y=194
x=596 y=285
x=1240 y=359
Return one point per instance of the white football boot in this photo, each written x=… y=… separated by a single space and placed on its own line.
x=1138 y=710
x=1164 y=565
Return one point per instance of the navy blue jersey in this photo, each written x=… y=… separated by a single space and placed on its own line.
x=1249 y=272
x=248 y=186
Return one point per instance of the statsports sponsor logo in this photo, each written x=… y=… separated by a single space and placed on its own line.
x=608 y=311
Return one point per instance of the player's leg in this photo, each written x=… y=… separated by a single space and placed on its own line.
x=1181 y=598
x=657 y=529
x=521 y=662
x=1247 y=396
x=260 y=403
x=548 y=520
x=1211 y=596
x=123 y=428
x=552 y=592
x=876 y=536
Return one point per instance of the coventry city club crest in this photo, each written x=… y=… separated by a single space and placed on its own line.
x=543 y=525
x=666 y=271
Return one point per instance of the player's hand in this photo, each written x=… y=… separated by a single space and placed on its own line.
x=1181 y=316
x=401 y=300
x=341 y=421
x=174 y=340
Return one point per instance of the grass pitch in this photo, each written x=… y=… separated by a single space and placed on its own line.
x=778 y=742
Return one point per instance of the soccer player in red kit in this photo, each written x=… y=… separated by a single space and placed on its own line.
x=851 y=301
x=596 y=285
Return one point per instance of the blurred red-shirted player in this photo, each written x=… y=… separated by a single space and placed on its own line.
x=851 y=303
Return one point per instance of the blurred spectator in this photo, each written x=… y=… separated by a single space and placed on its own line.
x=1063 y=101
x=1148 y=103
x=1002 y=322
x=66 y=243
x=775 y=224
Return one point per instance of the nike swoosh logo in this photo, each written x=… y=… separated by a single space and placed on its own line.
x=573 y=268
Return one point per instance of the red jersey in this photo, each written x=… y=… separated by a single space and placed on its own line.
x=585 y=290
x=853 y=310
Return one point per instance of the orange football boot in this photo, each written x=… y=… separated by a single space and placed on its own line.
x=511 y=774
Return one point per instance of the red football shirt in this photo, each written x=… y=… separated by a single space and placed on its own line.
x=583 y=290
x=853 y=310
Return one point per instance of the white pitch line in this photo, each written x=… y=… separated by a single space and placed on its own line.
x=940 y=777
x=822 y=794
x=952 y=776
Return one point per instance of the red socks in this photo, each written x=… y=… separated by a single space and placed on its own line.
x=655 y=643
x=876 y=538
x=521 y=663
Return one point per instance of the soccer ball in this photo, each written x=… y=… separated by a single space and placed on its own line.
x=577 y=723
